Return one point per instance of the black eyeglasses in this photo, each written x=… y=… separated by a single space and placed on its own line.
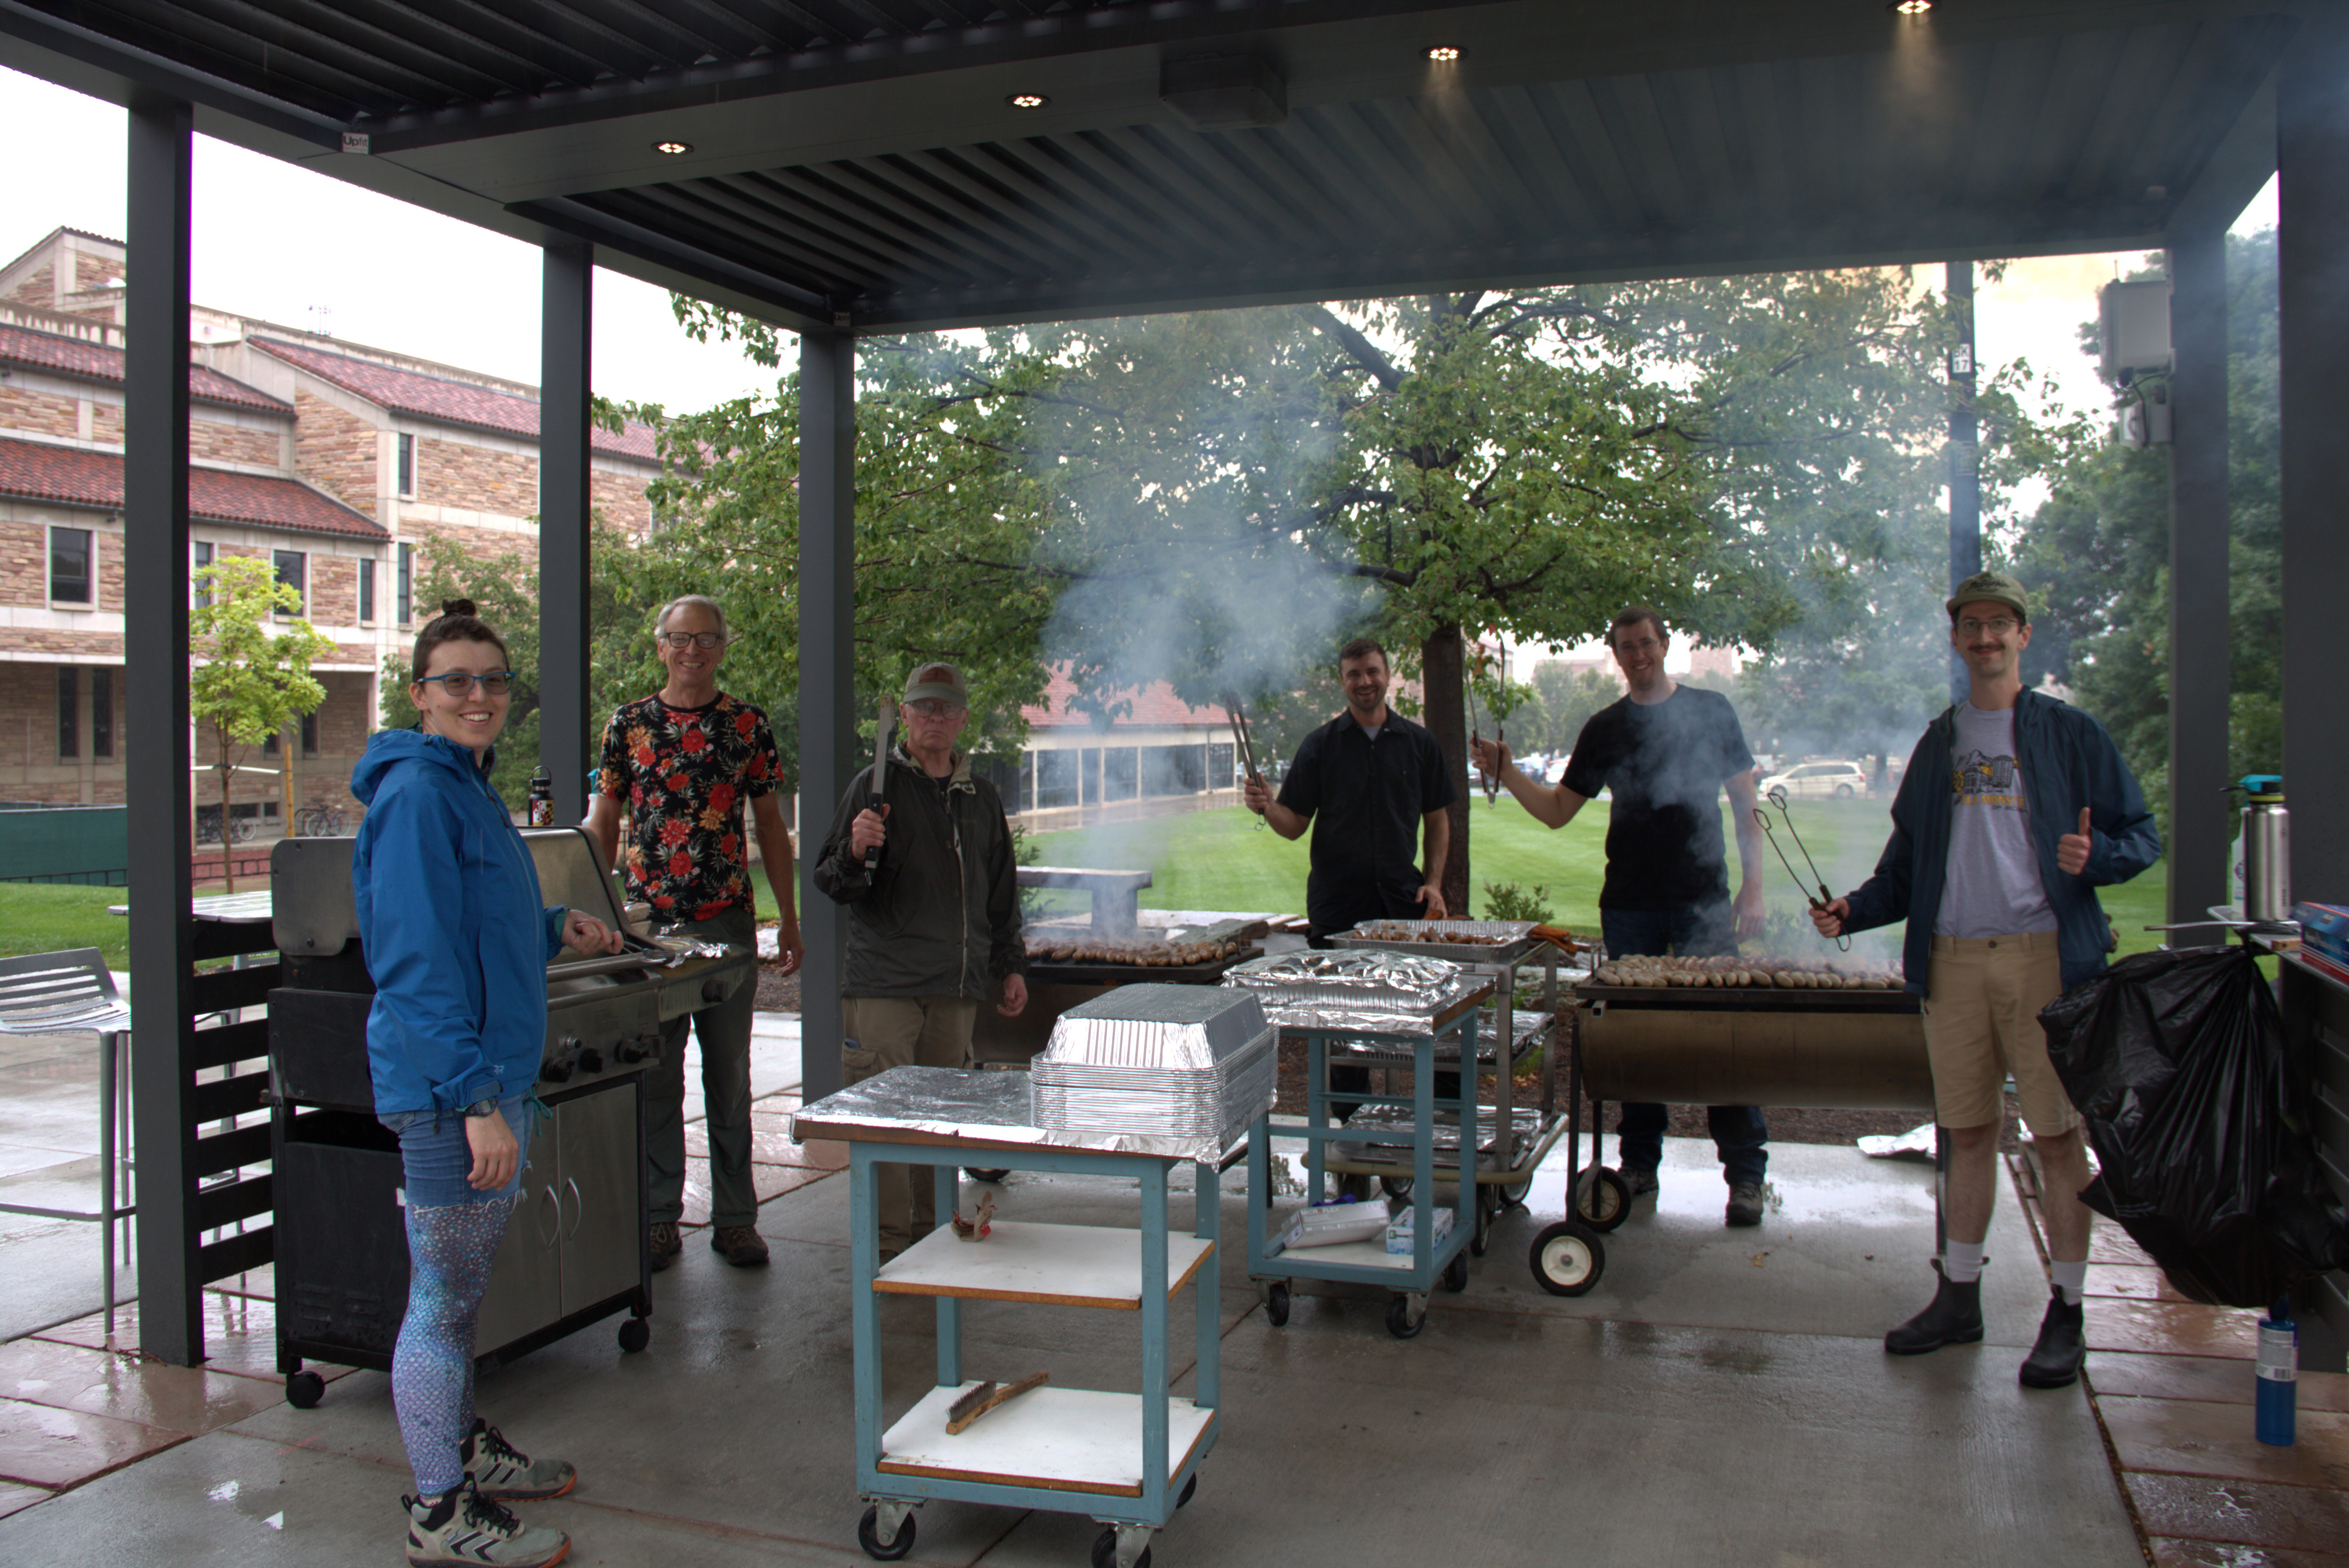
x=705 y=641
x=459 y=683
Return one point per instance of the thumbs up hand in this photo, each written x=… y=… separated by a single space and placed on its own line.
x=2072 y=850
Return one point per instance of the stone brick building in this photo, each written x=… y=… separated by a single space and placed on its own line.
x=334 y=461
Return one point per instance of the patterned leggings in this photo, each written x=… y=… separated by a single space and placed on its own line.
x=433 y=1363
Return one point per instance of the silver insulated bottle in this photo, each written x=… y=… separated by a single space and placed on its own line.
x=2267 y=850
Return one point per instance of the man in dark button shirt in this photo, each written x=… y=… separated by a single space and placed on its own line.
x=1370 y=784
x=1666 y=751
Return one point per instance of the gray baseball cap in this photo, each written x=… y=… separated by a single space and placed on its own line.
x=943 y=682
x=1996 y=587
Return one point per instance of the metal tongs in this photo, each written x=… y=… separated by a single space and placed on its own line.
x=1500 y=737
x=1240 y=736
x=1778 y=797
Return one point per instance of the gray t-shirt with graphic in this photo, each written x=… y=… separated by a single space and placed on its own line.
x=1992 y=886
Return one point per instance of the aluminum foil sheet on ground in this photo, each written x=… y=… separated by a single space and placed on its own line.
x=1192 y=1064
x=1364 y=989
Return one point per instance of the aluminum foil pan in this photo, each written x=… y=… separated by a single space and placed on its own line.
x=1526 y=1026
x=1187 y=1062
x=1427 y=938
x=1157 y=1026
x=1364 y=990
x=959 y=1105
x=1524 y=1124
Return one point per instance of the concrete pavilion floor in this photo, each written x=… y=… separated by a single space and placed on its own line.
x=1721 y=1397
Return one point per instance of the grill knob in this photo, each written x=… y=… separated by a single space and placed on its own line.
x=713 y=990
x=628 y=1053
x=557 y=1070
x=591 y=1060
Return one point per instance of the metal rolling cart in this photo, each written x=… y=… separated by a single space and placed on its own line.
x=1412 y=1042
x=1128 y=1460
x=1504 y=1176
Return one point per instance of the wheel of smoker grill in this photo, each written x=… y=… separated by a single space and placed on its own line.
x=1601 y=1199
x=976 y=1174
x=304 y=1390
x=1105 y=1549
x=634 y=1334
x=1567 y=1258
x=1188 y=1487
x=1514 y=1196
x=868 y=1536
x=1396 y=1186
x=1455 y=1273
x=1400 y=1323
x=1275 y=1304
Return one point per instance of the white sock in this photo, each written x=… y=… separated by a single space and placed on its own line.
x=1961 y=1262
x=2072 y=1279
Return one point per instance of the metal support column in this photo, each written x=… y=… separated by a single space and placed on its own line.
x=827 y=675
x=565 y=357
x=2200 y=678
x=1965 y=453
x=155 y=619
x=2312 y=236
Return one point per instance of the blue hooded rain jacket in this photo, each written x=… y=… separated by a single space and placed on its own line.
x=457 y=937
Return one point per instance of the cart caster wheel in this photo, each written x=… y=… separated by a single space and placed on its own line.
x=1455 y=1273
x=1400 y=1323
x=1601 y=1199
x=1567 y=1258
x=304 y=1390
x=1514 y=1197
x=868 y=1536
x=976 y=1174
x=1275 y=1304
x=1106 y=1550
x=634 y=1334
x=1481 y=1237
x=1189 y=1487
x=1396 y=1186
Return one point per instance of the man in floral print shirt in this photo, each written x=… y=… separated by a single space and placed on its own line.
x=686 y=762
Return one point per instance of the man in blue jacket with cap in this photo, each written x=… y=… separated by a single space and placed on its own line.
x=2016 y=809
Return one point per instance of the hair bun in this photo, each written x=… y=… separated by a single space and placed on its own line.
x=458 y=607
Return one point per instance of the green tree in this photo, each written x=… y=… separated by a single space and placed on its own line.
x=248 y=679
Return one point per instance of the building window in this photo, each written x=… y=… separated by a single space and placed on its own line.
x=1173 y=770
x=294 y=571
x=68 y=714
x=204 y=558
x=366 y=593
x=310 y=735
x=406 y=584
x=1056 y=780
x=407 y=465
x=1223 y=770
x=69 y=565
x=269 y=746
x=101 y=713
x=1119 y=777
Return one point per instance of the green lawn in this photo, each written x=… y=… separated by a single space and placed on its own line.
x=1222 y=859
x=46 y=917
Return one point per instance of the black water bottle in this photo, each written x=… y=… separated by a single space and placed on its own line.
x=542 y=798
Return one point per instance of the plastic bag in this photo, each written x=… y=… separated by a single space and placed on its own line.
x=2178 y=1062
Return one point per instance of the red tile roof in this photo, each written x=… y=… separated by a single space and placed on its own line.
x=1154 y=706
x=81 y=477
x=96 y=362
x=451 y=402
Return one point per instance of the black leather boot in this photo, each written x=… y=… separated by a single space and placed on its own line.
x=2055 y=1360
x=1953 y=1318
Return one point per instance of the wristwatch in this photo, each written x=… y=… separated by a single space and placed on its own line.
x=483 y=1106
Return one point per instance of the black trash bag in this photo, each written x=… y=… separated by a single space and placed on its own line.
x=2200 y=1121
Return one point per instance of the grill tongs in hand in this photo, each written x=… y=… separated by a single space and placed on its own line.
x=1778 y=799
x=1240 y=738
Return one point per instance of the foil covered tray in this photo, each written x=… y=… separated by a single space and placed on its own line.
x=1527 y=1027
x=1524 y=1124
x=963 y=1107
x=1506 y=940
x=1364 y=990
x=1192 y=1064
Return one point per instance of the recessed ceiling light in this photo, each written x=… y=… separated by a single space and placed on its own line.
x=1913 y=7
x=1027 y=100
x=1443 y=53
x=672 y=149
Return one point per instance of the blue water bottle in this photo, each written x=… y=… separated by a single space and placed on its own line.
x=2279 y=1376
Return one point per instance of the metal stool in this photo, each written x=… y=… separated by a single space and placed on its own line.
x=65 y=993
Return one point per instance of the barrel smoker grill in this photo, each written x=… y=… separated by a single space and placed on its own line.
x=576 y=1251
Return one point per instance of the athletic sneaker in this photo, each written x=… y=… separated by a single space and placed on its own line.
x=466 y=1530
x=504 y=1472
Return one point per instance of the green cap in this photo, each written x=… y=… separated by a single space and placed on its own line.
x=943 y=682
x=1995 y=586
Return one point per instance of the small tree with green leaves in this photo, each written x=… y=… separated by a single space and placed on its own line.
x=249 y=680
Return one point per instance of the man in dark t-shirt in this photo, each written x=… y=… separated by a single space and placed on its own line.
x=1666 y=751
x=1373 y=788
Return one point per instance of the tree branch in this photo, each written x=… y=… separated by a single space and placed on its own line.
x=1363 y=351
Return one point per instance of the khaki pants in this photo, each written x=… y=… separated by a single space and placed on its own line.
x=1982 y=1022
x=884 y=1032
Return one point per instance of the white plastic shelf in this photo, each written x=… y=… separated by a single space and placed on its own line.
x=1059 y=1440
x=1059 y=1266
x=1370 y=1255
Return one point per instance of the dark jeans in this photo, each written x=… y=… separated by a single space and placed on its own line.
x=1348 y=1079
x=1740 y=1136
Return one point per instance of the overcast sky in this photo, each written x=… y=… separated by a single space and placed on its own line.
x=296 y=247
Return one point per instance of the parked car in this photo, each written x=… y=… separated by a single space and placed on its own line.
x=1818 y=781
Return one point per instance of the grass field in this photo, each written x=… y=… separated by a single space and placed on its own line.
x=42 y=917
x=1221 y=859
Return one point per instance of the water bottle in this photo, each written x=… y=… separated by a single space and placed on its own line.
x=542 y=798
x=2279 y=1376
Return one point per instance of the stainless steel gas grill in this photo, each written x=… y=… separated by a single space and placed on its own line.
x=575 y=1252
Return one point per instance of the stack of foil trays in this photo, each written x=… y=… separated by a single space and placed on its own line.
x=1163 y=1069
x=1366 y=989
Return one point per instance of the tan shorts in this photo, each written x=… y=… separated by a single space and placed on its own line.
x=1983 y=998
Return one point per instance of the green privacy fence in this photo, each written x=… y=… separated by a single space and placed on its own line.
x=41 y=843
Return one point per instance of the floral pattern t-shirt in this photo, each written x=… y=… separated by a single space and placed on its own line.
x=685 y=774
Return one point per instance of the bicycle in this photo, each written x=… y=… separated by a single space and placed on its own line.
x=319 y=820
